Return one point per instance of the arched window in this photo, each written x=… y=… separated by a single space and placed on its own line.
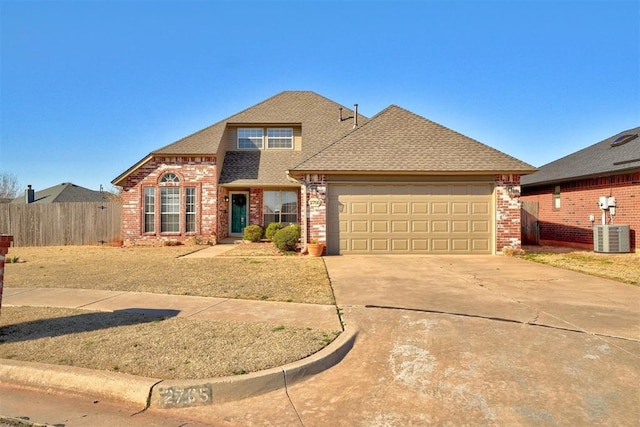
x=170 y=177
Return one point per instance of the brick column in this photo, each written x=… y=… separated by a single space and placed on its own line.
x=5 y=242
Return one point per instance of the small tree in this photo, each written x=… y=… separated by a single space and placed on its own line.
x=8 y=186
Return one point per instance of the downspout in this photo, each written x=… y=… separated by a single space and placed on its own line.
x=303 y=210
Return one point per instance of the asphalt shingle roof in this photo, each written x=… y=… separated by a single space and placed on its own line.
x=598 y=159
x=65 y=193
x=397 y=140
x=317 y=115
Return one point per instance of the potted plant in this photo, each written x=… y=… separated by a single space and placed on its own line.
x=315 y=248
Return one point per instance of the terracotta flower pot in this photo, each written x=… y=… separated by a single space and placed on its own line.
x=315 y=249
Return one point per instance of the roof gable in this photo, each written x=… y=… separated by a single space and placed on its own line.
x=397 y=140
x=609 y=156
x=317 y=115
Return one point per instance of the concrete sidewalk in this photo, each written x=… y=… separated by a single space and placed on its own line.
x=277 y=313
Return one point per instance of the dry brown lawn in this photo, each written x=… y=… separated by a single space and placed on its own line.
x=247 y=272
x=620 y=267
x=172 y=348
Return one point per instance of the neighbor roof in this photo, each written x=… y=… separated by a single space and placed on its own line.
x=397 y=140
x=610 y=156
x=65 y=193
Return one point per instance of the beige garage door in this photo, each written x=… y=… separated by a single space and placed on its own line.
x=434 y=218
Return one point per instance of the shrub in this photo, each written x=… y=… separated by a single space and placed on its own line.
x=286 y=239
x=253 y=233
x=271 y=230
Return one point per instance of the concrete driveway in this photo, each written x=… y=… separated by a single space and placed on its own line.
x=463 y=340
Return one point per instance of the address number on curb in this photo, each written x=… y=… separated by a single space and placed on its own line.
x=173 y=397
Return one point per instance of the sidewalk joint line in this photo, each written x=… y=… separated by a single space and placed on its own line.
x=103 y=299
x=286 y=391
x=208 y=307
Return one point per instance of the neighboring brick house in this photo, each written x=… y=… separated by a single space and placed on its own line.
x=566 y=192
x=396 y=183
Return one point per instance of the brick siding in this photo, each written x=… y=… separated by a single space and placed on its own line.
x=570 y=225
x=198 y=172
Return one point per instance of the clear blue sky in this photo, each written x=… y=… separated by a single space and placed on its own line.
x=88 y=88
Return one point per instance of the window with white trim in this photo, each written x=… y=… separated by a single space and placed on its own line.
x=280 y=206
x=149 y=210
x=280 y=138
x=250 y=138
x=190 y=210
x=170 y=209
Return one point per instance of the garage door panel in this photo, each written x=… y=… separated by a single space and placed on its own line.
x=431 y=218
x=358 y=208
x=359 y=226
x=440 y=208
x=480 y=226
x=400 y=226
x=379 y=245
x=420 y=245
x=440 y=245
x=420 y=208
x=418 y=226
x=459 y=226
x=381 y=208
x=460 y=208
x=379 y=226
x=479 y=208
x=440 y=226
x=399 y=208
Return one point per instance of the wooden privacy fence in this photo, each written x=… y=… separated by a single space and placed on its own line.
x=51 y=224
x=529 y=221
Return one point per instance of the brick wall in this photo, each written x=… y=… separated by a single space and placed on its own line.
x=199 y=172
x=316 y=188
x=570 y=225
x=508 y=228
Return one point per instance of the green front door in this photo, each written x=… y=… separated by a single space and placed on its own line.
x=238 y=213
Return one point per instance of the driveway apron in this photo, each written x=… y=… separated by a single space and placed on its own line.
x=463 y=340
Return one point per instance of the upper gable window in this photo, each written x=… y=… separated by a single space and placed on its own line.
x=170 y=177
x=280 y=138
x=254 y=138
x=250 y=138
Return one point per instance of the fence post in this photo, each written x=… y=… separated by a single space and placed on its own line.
x=5 y=242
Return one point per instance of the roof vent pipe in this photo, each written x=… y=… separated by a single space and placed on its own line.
x=340 y=115
x=355 y=116
x=29 y=195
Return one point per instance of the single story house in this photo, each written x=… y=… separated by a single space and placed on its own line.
x=65 y=192
x=395 y=183
x=563 y=196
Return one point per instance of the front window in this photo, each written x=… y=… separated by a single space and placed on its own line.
x=170 y=210
x=149 y=210
x=250 y=138
x=280 y=206
x=556 y=197
x=190 y=210
x=280 y=138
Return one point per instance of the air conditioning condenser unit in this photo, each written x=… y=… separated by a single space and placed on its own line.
x=611 y=238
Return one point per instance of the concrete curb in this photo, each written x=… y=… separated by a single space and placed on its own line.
x=171 y=393
x=107 y=385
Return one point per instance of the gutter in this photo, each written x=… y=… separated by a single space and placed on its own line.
x=303 y=210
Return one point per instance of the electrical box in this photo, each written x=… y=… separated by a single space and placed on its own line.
x=611 y=238
x=603 y=202
x=611 y=201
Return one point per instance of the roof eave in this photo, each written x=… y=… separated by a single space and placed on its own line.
x=580 y=177
x=118 y=180
x=414 y=172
